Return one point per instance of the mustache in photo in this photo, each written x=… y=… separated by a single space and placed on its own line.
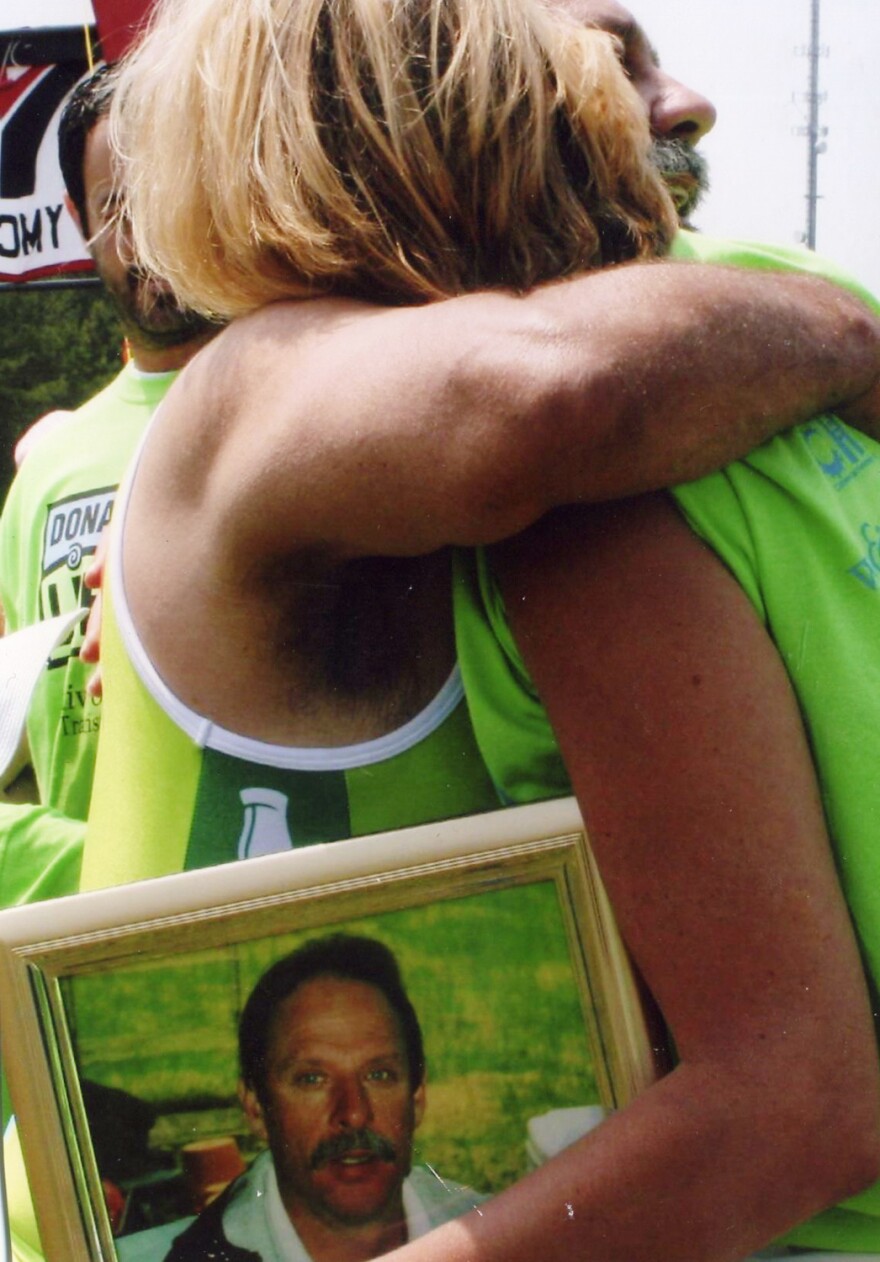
x=363 y=1140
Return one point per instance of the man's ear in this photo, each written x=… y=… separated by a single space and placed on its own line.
x=74 y=214
x=252 y=1110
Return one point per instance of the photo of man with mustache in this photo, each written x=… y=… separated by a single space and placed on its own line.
x=333 y=1082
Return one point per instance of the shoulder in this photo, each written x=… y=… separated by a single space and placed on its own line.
x=152 y=1244
x=202 y=1239
x=58 y=441
x=63 y=491
x=62 y=421
x=35 y=433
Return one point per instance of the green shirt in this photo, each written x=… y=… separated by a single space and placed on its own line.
x=57 y=505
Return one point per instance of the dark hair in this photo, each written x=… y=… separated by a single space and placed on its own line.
x=341 y=956
x=87 y=104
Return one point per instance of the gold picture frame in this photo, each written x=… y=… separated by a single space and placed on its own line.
x=66 y=965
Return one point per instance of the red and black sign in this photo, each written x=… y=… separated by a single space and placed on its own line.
x=37 y=236
x=38 y=239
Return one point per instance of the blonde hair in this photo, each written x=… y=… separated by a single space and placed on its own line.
x=393 y=150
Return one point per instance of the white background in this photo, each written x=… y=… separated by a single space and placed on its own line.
x=15 y=13
x=742 y=54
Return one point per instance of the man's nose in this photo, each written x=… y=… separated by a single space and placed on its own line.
x=677 y=112
x=351 y=1105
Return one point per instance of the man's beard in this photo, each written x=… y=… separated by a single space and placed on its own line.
x=154 y=321
x=685 y=172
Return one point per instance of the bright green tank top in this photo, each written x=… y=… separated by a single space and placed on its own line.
x=163 y=802
x=174 y=791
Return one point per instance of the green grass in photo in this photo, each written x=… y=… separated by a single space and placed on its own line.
x=489 y=976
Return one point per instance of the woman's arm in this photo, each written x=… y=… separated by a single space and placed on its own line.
x=688 y=755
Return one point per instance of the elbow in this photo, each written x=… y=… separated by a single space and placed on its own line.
x=810 y=1124
x=867 y=1174
x=836 y=1149
x=855 y=1158
x=843 y=1166
x=855 y=1114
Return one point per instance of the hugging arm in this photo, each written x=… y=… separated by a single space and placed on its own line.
x=405 y=429
x=688 y=755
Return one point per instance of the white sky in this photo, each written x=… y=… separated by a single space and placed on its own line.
x=37 y=13
x=743 y=54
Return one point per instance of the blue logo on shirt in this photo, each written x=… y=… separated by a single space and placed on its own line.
x=867 y=570
x=839 y=453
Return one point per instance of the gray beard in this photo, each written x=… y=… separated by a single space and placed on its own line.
x=686 y=173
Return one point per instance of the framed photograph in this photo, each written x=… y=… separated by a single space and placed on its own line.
x=122 y=1012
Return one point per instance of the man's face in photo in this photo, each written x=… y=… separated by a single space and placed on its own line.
x=337 y=1106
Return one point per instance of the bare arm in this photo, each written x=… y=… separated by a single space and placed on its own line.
x=689 y=759
x=395 y=431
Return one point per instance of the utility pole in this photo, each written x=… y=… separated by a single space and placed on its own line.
x=815 y=133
